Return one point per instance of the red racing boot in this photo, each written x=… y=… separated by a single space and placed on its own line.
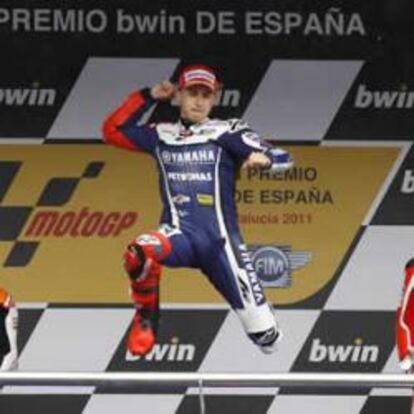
x=142 y=263
x=143 y=332
x=144 y=327
x=144 y=290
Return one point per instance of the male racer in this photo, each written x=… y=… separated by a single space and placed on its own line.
x=405 y=320
x=8 y=332
x=198 y=159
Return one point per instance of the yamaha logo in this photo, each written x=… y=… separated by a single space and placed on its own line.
x=189 y=157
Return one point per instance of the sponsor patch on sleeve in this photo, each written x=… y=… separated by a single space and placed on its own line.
x=252 y=139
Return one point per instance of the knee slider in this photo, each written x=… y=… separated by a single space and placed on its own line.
x=155 y=245
x=144 y=255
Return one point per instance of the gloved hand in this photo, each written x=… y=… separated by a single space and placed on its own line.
x=281 y=160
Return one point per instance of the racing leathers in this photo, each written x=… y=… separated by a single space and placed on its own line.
x=8 y=332
x=405 y=320
x=198 y=164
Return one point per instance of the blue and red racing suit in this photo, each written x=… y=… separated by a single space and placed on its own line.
x=8 y=332
x=198 y=164
x=405 y=320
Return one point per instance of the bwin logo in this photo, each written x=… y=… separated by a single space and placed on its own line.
x=27 y=97
x=172 y=352
x=358 y=352
x=228 y=97
x=383 y=99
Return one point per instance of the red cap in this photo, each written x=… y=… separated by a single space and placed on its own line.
x=198 y=75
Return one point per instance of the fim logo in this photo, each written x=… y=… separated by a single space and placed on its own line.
x=356 y=353
x=274 y=264
x=167 y=352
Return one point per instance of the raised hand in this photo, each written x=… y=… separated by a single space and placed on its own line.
x=163 y=91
